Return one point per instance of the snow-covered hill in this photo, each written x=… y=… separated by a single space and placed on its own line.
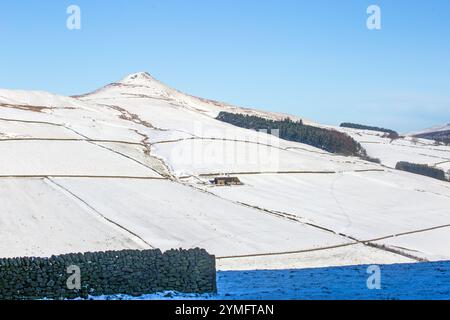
x=438 y=134
x=128 y=166
x=439 y=128
x=407 y=148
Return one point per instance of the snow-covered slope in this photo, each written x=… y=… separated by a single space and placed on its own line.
x=143 y=85
x=406 y=148
x=439 y=128
x=128 y=166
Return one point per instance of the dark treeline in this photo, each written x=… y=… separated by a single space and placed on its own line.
x=421 y=169
x=446 y=141
x=326 y=139
x=391 y=133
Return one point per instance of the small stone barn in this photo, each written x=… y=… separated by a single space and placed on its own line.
x=227 y=181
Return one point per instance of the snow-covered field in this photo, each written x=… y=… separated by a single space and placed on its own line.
x=376 y=209
x=128 y=166
x=408 y=149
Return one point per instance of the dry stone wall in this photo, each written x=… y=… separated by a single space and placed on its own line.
x=132 y=272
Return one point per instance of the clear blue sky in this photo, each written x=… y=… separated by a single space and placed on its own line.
x=315 y=58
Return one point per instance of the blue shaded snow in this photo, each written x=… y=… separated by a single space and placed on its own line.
x=399 y=281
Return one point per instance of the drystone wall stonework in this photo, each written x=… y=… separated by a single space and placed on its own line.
x=132 y=272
